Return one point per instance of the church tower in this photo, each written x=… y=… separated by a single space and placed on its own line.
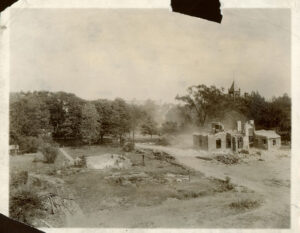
x=233 y=91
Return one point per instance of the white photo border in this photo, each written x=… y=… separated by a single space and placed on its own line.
x=293 y=5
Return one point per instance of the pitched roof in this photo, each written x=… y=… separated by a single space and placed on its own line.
x=267 y=133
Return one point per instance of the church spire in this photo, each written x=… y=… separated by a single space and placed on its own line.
x=231 y=89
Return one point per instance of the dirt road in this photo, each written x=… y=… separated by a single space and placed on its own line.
x=251 y=174
x=269 y=176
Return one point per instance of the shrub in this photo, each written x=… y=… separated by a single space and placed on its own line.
x=244 y=204
x=29 y=144
x=163 y=141
x=80 y=161
x=189 y=194
x=19 y=178
x=49 y=152
x=224 y=185
x=24 y=204
x=83 y=161
x=128 y=146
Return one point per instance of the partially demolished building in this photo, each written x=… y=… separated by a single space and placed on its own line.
x=241 y=138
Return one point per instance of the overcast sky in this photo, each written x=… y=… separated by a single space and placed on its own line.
x=145 y=54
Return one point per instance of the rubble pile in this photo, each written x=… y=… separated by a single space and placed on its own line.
x=228 y=159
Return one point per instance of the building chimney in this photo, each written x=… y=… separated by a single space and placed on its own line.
x=239 y=126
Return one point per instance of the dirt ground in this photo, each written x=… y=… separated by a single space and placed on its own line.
x=170 y=190
x=266 y=173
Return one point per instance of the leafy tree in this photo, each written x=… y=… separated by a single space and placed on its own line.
x=72 y=107
x=149 y=127
x=57 y=115
x=105 y=111
x=89 y=127
x=283 y=106
x=205 y=101
x=29 y=116
x=182 y=115
x=121 y=119
x=169 y=127
x=150 y=107
x=137 y=115
x=49 y=152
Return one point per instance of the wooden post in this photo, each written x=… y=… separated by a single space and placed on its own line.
x=52 y=205
x=143 y=159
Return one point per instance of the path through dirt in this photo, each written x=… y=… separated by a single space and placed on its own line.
x=269 y=177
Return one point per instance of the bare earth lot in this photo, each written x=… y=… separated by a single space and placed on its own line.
x=176 y=189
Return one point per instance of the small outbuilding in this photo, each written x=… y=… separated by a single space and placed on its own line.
x=267 y=139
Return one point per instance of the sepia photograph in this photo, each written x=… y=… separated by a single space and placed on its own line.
x=147 y=118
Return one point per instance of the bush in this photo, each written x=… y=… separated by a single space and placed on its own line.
x=163 y=141
x=24 y=204
x=49 y=152
x=80 y=161
x=29 y=144
x=188 y=194
x=244 y=204
x=128 y=146
x=224 y=185
x=19 y=178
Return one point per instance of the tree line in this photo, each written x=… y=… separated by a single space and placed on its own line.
x=205 y=103
x=64 y=117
